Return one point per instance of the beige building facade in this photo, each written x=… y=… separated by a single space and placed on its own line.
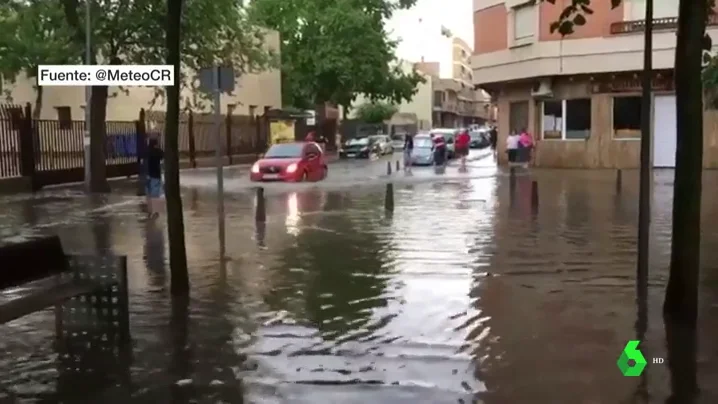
x=253 y=92
x=580 y=95
x=455 y=101
x=417 y=111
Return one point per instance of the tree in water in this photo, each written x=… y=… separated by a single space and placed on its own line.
x=680 y=308
x=179 y=280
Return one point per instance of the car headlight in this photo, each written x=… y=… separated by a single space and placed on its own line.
x=292 y=168
x=255 y=168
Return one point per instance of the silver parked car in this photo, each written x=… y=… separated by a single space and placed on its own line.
x=423 y=153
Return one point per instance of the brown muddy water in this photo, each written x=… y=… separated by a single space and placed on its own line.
x=459 y=296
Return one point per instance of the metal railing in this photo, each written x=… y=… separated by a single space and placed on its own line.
x=659 y=24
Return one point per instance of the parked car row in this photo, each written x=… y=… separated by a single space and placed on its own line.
x=364 y=147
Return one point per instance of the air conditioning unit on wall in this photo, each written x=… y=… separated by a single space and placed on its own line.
x=543 y=89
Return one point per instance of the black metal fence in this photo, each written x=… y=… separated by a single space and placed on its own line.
x=52 y=151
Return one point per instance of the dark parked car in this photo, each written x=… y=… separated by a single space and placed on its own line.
x=361 y=147
x=480 y=139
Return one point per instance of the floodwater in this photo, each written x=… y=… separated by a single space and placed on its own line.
x=461 y=294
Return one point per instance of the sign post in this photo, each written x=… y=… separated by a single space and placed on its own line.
x=216 y=80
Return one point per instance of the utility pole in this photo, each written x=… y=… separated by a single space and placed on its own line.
x=646 y=177
x=88 y=95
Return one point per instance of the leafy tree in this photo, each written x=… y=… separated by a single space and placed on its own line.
x=681 y=302
x=133 y=31
x=333 y=50
x=35 y=33
x=375 y=111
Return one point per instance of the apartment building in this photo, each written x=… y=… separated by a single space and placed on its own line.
x=581 y=95
x=455 y=101
x=253 y=94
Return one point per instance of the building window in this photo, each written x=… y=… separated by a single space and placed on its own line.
x=438 y=98
x=518 y=116
x=64 y=117
x=566 y=119
x=636 y=9
x=16 y=117
x=524 y=23
x=627 y=117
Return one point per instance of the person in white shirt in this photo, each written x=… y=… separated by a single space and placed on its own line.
x=512 y=146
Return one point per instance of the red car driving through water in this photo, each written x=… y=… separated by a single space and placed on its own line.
x=291 y=162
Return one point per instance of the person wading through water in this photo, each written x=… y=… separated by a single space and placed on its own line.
x=462 y=147
x=408 y=150
x=155 y=155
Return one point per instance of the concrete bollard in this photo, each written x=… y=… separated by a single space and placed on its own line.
x=619 y=181
x=389 y=197
x=260 y=213
x=388 y=168
x=397 y=166
x=534 y=195
x=512 y=178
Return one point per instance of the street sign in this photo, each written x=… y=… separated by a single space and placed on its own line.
x=207 y=79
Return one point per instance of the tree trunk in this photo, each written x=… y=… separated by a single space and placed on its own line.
x=36 y=112
x=98 y=138
x=175 y=222
x=681 y=303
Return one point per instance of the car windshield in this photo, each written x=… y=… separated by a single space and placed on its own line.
x=475 y=135
x=375 y=139
x=423 y=143
x=285 y=151
x=359 y=142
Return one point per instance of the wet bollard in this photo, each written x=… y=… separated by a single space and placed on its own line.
x=388 y=168
x=534 y=196
x=619 y=181
x=397 y=166
x=260 y=213
x=389 y=198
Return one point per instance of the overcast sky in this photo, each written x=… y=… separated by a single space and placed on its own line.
x=420 y=27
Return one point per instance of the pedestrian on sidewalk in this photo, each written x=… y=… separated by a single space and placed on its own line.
x=512 y=147
x=526 y=144
x=408 y=150
x=310 y=137
x=155 y=155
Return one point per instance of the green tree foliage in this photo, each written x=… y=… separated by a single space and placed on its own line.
x=133 y=32
x=333 y=50
x=34 y=33
x=375 y=111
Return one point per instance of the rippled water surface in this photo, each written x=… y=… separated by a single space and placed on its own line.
x=459 y=295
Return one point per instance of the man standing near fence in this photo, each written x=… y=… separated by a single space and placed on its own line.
x=155 y=155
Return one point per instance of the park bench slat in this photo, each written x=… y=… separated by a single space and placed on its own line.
x=42 y=298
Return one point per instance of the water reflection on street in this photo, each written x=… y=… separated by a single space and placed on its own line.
x=456 y=296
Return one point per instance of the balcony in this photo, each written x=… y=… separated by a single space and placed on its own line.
x=659 y=24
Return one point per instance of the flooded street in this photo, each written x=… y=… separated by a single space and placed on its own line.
x=459 y=295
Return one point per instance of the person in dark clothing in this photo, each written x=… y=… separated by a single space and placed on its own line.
x=493 y=138
x=408 y=150
x=155 y=155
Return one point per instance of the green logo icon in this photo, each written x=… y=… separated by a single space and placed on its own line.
x=631 y=353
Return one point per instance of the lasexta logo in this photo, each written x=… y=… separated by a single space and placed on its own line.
x=631 y=362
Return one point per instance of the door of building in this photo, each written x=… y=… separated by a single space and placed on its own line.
x=664 y=131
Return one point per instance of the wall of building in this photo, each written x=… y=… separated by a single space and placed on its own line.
x=600 y=150
x=260 y=90
x=592 y=48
